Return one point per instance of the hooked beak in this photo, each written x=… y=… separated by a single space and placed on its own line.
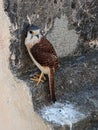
x=37 y=36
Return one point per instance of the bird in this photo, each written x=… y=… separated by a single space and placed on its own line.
x=43 y=55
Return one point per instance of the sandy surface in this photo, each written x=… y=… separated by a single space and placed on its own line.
x=16 y=110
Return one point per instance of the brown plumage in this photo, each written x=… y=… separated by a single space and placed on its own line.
x=44 y=53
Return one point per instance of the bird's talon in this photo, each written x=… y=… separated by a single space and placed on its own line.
x=38 y=78
x=34 y=79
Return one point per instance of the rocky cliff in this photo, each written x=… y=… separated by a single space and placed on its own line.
x=71 y=26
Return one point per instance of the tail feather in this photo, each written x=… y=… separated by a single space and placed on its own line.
x=51 y=85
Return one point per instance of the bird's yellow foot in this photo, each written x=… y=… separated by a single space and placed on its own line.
x=38 y=78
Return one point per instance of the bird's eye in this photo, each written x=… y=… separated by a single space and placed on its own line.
x=30 y=32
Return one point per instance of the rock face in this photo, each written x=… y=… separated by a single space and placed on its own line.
x=72 y=27
x=16 y=109
x=64 y=40
x=51 y=15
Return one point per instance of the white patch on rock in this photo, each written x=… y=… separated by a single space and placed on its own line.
x=62 y=114
x=93 y=43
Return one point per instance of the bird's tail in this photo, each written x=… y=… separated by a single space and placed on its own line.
x=51 y=85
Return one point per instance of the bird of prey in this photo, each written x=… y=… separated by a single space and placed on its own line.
x=43 y=55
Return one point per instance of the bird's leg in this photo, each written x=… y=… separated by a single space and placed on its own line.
x=43 y=77
x=39 y=78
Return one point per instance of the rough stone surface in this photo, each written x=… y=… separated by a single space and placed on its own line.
x=64 y=40
x=16 y=108
x=76 y=79
x=77 y=85
x=52 y=14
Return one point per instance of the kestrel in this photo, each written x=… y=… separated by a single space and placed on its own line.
x=43 y=55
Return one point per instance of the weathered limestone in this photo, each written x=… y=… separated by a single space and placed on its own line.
x=76 y=81
x=16 y=109
x=64 y=40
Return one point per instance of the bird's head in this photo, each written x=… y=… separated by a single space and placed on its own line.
x=33 y=35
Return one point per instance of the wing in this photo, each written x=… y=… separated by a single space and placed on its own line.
x=45 y=55
x=46 y=46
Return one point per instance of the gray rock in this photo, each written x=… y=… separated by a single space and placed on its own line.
x=64 y=40
x=76 y=80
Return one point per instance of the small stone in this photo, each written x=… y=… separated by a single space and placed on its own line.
x=70 y=81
